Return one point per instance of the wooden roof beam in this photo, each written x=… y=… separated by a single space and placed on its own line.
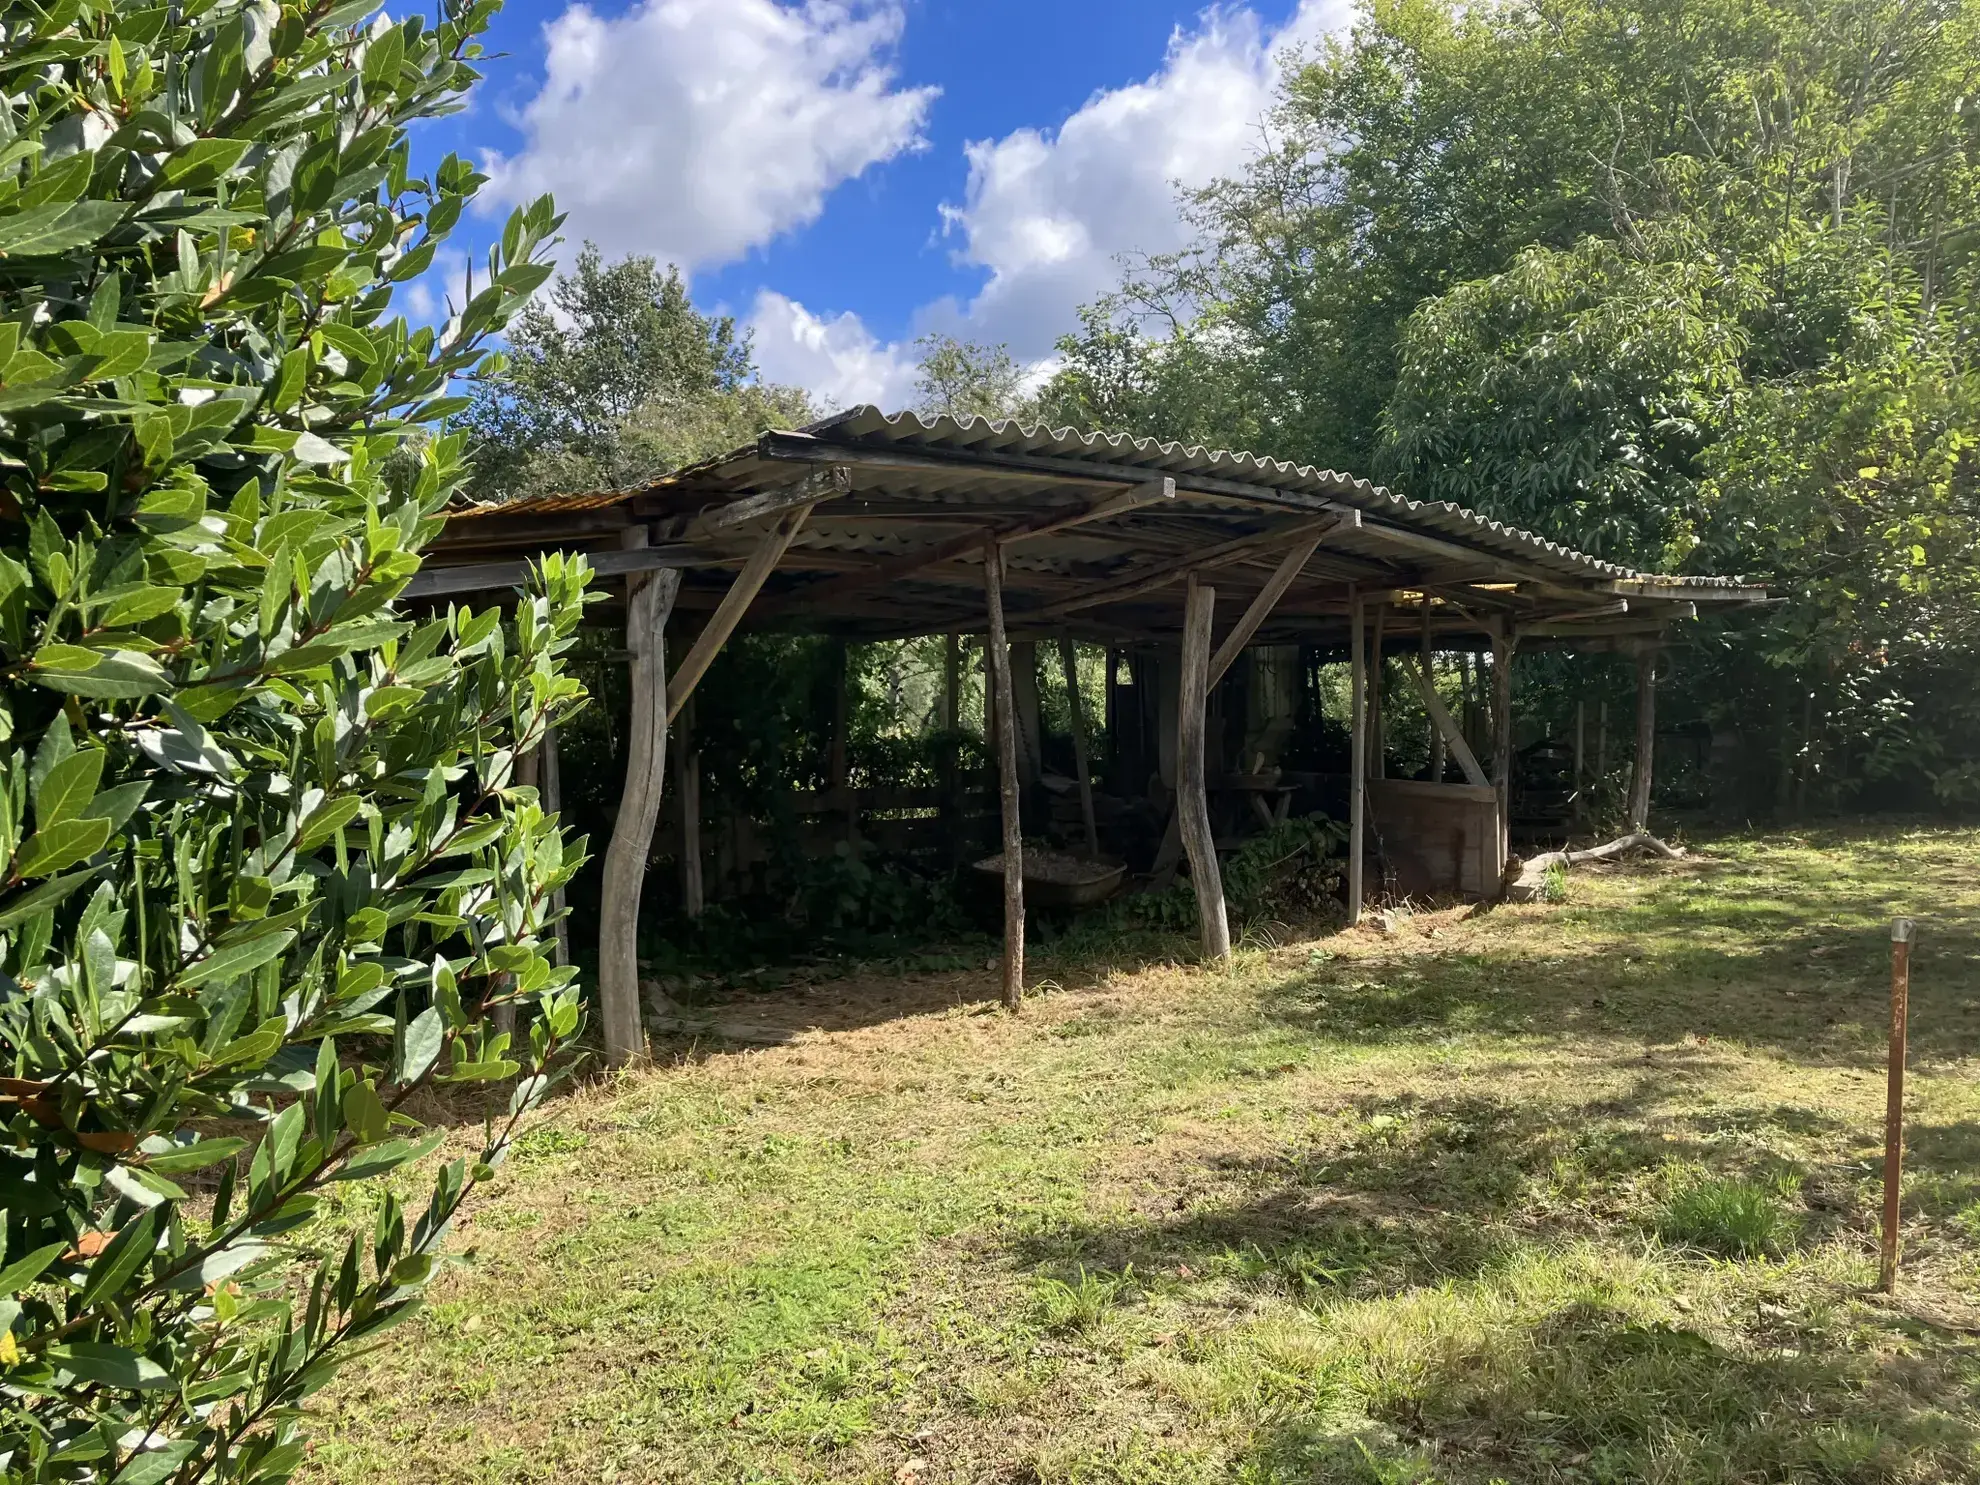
x=1148 y=579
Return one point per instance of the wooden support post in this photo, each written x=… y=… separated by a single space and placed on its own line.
x=1646 y=739
x=647 y=611
x=1192 y=796
x=1357 y=753
x=1602 y=742
x=1580 y=743
x=687 y=784
x=735 y=603
x=1069 y=662
x=951 y=726
x=552 y=791
x=1378 y=676
x=1503 y=643
x=837 y=764
x=1903 y=930
x=999 y=659
x=1030 y=726
x=1436 y=769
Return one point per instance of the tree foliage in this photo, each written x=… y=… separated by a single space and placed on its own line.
x=615 y=379
x=266 y=866
x=1683 y=285
x=961 y=379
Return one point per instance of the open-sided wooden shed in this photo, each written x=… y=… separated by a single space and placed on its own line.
x=875 y=526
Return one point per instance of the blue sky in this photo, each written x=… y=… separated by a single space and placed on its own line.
x=844 y=175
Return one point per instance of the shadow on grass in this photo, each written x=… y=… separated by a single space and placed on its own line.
x=1437 y=1252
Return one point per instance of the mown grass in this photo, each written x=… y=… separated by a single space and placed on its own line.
x=1578 y=1192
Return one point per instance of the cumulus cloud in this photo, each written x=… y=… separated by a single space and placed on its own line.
x=1047 y=215
x=696 y=130
x=838 y=360
x=1050 y=214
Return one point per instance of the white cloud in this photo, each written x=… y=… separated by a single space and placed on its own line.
x=696 y=130
x=1048 y=214
x=839 y=361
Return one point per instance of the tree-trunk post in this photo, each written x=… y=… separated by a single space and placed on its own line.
x=837 y=765
x=1357 y=752
x=1646 y=739
x=1378 y=673
x=999 y=659
x=1192 y=795
x=647 y=610
x=1082 y=752
x=1436 y=770
x=951 y=726
x=687 y=784
x=1504 y=642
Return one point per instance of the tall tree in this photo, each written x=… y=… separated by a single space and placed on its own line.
x=961 y=379
x=615 y=379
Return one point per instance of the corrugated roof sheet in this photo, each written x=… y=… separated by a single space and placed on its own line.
x=979 y=439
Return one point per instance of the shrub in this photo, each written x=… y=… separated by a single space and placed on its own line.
x=265 y=865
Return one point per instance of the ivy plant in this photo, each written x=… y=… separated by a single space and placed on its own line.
x=265 y=868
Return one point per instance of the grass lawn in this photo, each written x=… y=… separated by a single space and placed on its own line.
x=1583 y=1192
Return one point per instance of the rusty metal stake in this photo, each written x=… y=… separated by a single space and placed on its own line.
x=1902 y=931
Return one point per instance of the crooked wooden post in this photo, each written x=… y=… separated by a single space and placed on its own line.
x=1504 y=641
x=1436 y=770
x=1082 y=753
x=1646 y=739
x=1192 y=794
x=998 y=658
x=647 y=610
x=687 y=784
x=1357 y=753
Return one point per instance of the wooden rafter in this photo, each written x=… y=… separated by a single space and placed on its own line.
x=1261 y=608
x=1151 y=577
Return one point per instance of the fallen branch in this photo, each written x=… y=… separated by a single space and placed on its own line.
x=1526 y=881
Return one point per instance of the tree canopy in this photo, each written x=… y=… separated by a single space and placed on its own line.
x=1687 y=286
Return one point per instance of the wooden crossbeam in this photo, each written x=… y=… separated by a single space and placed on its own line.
x=971 y=542
x=1261 y=608
x=1149 y=578
x=762 y=562
x=820 y=484
x=484 y=577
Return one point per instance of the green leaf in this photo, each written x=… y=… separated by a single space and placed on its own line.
x=113 y=1366
x=119 y=353
x=122 y=675
x=364 y=1114
x=68 y=788
x=18 y=1275
x=423 y=1039
x=18 y=909
x=157 y=1465
x=197 y=1156
x=117 y=805
x=377 y=1160
x=236 y=960
x=326 y=820
x=59 y=847
x=203 y=162
x=57 y=228
x=127 y=1252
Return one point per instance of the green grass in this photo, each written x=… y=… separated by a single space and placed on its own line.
x=1582 y=1192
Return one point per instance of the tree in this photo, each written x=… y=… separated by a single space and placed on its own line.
x=1660 y=280
x=617 y=379
x=960 y=379
x=266 y=868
